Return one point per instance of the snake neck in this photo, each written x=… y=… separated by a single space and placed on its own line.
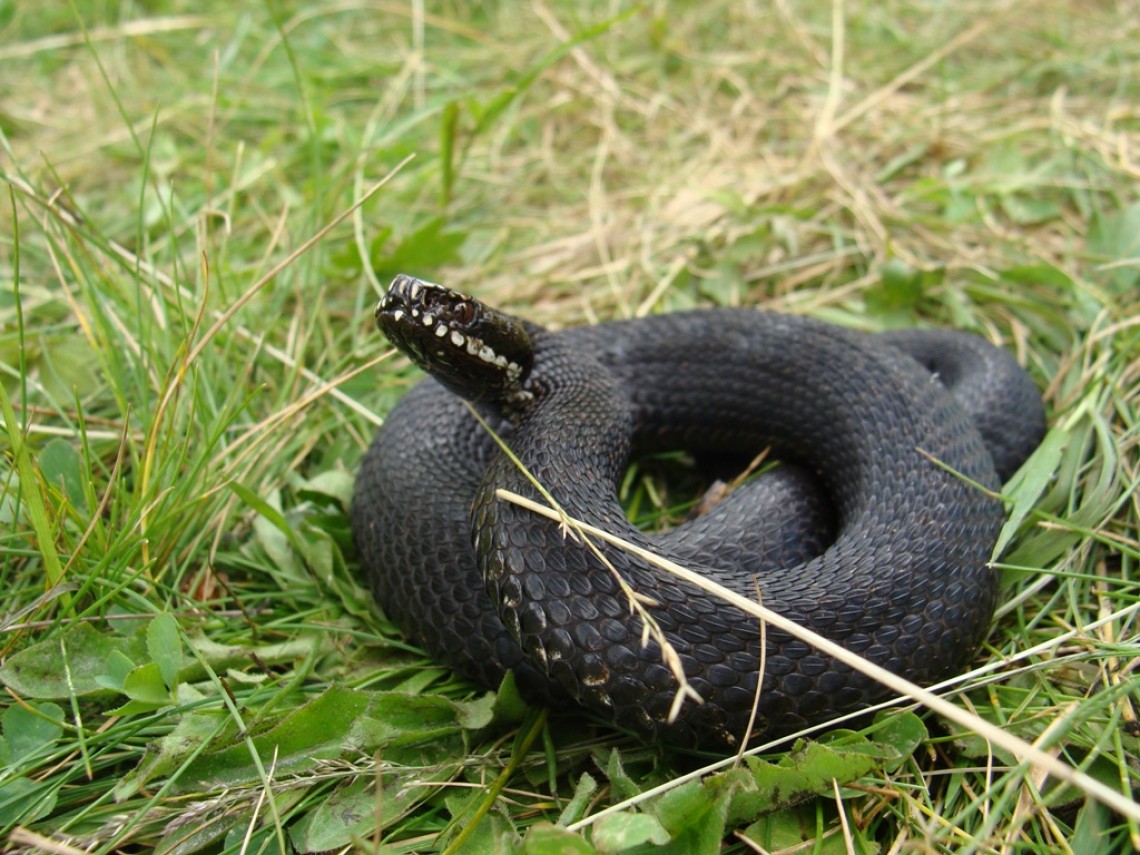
x=572 y=399
x=574 y=442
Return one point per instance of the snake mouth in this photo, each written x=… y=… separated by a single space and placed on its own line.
x=476 y=351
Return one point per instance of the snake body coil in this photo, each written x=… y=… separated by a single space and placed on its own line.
x=899 y=574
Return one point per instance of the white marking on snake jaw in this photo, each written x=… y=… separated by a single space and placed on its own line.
x=398 y=315
x=475 y=347
x=428 y=320
x=441 y=331
x=456 y=337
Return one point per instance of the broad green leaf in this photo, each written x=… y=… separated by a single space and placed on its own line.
x=29 y=730
x=274 y=532
x=471 y=715
x=428 y=248
x=695 y=814
x=339 y=722
x=1027 y=485
x=806 y=771
x=223 y=657
x=264 y=841
x=334 y=484
x=62 y=466
x=354 y=809
x=960 y=208
x=796 y=829
x=118 y=668
x=73 y=664
x=899 y=733
x=491 y=834
x=975 y=747
x=621 y=784
x=165 y=754
x=898 y=292
x=321 y=729
x=230 y=827
x=67 y=363
x=583 y=792
x=688 y=803
x=145 y=684
x=318 y=550
x=621 y=831
x=509 y=704
x=1096 y=467
x=1005 y=168
x=546 y=839
x=284 y=540
x=197 y=837
x=1090 y=835
x=1038 y=274
x=1115 y=240
x=23 y=801
x=146 y=690
x=350 y=811
x=381 y=236
x=420 y=679
x=164 y=644
x=1028 y=210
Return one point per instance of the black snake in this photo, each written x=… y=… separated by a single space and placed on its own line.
x=891 y=464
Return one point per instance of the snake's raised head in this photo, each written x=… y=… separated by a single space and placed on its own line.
x=477 y=352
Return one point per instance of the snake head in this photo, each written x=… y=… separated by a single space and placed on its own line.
x=475 y=351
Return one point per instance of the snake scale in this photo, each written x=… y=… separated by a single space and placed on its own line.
x=875 y=532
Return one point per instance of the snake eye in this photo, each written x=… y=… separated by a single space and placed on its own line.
x=464 y=312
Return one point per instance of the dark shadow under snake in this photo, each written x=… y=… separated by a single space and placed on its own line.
x=891 y=560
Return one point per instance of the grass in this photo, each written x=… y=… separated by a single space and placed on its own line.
x=190 y=661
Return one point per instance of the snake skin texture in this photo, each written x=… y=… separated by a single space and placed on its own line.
x=900 y=574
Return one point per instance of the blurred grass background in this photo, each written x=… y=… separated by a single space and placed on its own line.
x=202 y=204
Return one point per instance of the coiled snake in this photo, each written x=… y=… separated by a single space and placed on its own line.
x=889 y=441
